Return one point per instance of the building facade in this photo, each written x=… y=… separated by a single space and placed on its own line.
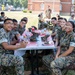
x=60 y=6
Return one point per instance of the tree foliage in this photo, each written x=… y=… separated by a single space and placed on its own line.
x=15 y=3
x=24 y=3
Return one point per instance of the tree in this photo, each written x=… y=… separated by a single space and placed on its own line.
x=24 y=3
x=16 y=3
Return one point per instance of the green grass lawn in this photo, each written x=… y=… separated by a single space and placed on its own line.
x=32 y=20
x=32 y=17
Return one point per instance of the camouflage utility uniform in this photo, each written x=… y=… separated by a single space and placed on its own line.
x=55 y=29
x=21 y=29
x=6 y=56
x=48 y=13
x=66 y=41
x=49 y=58
x=13 y=34
x=60 y=34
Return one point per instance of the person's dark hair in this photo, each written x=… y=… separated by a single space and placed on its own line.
x=8 y=19
x=24 y=19
x=72 y=15
x=2 y=12
x=60 y=18
x=65 y=19
x=35 y=27
x=14 y=20
x=72 y=23
x=39 y=15
x=54 y=18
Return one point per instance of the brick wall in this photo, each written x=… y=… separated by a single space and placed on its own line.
x=35 y=5
x=66 y=6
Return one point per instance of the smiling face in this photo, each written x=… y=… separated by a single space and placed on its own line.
x=15 y=25
x=8 y=25
x=59 y=22
x=53 y=21
x=22 y=24
x=62 y=23
x=69 y=27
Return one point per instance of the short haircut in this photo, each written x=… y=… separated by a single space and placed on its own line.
x=2 y=12
x=72 y=15
x=60 y=18
x=39 y=15
x=65 y=19
x=54 y=18
x=14 y=20
x=72 y=23
x=8 y=19
x=24 y=19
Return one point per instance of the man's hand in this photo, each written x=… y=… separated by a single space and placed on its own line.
x=23 y=44
x=56 y=57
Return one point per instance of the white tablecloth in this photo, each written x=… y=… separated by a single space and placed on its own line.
x=33 y=46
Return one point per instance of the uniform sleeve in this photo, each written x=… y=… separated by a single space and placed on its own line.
x=16 y=32
x=57 y=33
x=3 y=38
x=72 y=42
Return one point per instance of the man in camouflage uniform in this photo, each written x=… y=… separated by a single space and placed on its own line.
x=14 y=33
x=6 y=50
x=22 y=25
x=67 y=54
x=47 y=59
x=55 y=27
x=48 y=12
x=61 y=28
x=59 y=34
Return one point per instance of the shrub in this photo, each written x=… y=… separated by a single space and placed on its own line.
x=25 y=11
x=30 y=11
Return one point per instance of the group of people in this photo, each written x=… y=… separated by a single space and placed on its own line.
x=10 y=35
x=45 y=20
x=62 y=34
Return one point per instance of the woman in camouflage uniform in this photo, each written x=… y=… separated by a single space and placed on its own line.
x=67 y=53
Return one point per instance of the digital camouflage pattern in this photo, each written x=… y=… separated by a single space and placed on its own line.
x=13 y=33
x=4 y=37
x=60 y=34
x=56 y=65
x=66 y=41
x=21 y=30
x=6 y=56
x=55 y=29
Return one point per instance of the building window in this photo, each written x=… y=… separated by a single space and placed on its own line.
x=73 y=6
x=42 y=6
x=72 y=9
x=60 y=7
x=73 y=1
